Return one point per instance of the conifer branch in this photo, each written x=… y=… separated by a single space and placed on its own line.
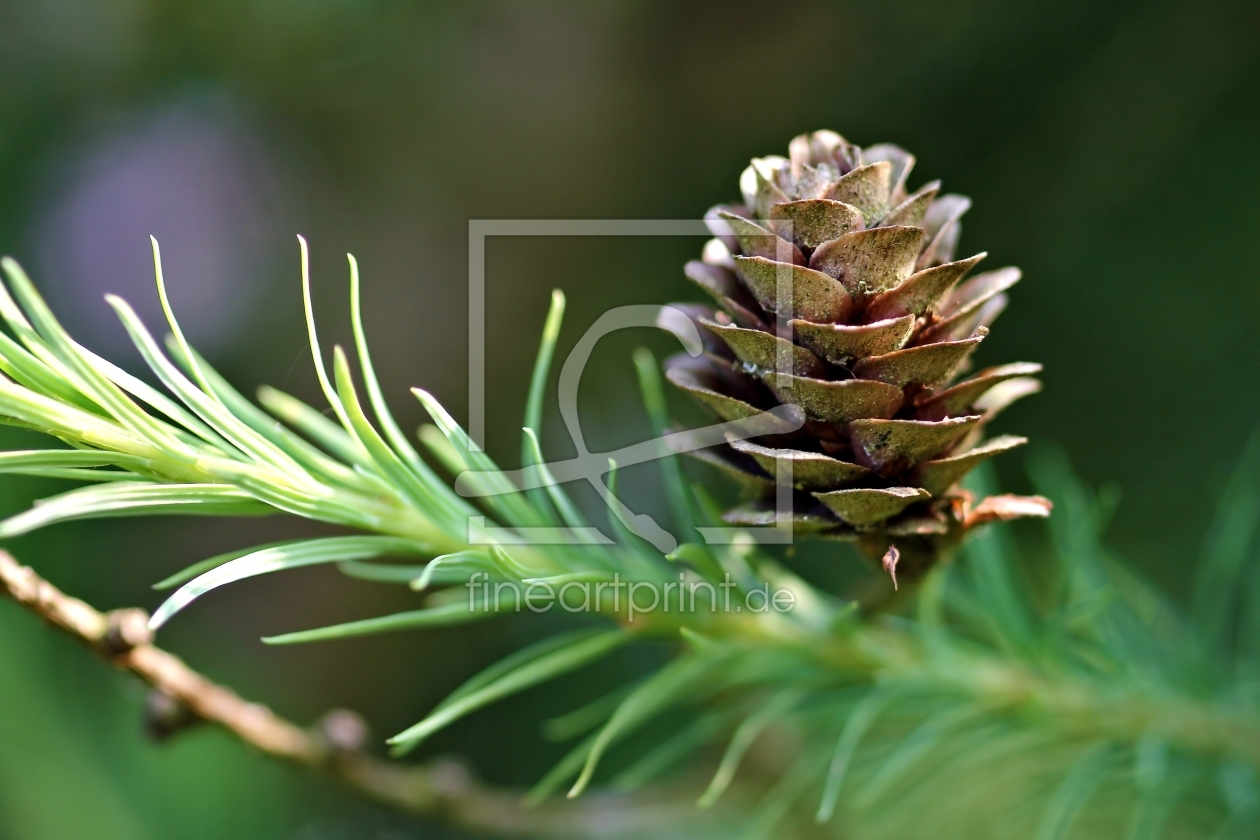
x=1088 y=684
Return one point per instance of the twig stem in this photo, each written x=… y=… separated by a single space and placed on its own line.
x=443 y=790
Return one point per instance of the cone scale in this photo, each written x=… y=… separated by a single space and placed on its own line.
x=873 y=342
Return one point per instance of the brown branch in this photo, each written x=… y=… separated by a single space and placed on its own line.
x=442 y=790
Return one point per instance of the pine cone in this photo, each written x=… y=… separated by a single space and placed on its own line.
x=879 y=325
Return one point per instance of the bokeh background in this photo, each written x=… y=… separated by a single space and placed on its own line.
x=1110 y=149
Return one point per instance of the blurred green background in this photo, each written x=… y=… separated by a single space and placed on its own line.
x=1110 y=149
